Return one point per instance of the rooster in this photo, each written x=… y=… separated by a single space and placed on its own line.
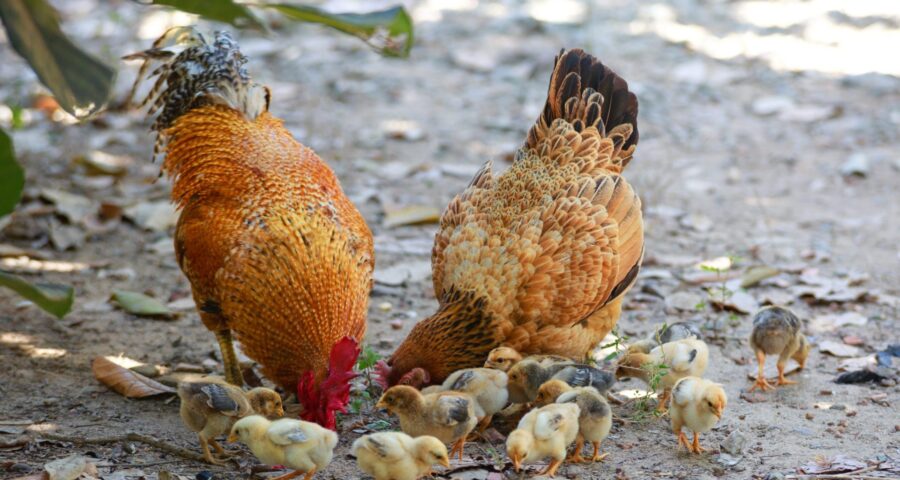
x=539 y=257
x=277 y=256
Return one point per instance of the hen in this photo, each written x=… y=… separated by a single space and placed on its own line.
x=538 y=258
x=276 y=254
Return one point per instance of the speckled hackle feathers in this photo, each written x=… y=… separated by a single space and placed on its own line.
x=273 y=249
x=548 y=247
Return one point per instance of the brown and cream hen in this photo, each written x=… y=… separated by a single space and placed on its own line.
x=538 y=257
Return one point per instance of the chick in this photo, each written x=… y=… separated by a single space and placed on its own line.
x=503 y=358
x=210 y=407
x=397 y=456
x=678 y=359
x=449 y=416
x=665 y=333
x=698 y=405
x=526 y=377
x=486 y=385
x=302 y=446
x=544 y=432
x=776 y=331
x=594 y=421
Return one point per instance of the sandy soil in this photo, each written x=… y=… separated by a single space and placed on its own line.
x=748 y=121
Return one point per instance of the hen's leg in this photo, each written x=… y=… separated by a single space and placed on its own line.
x=761 y=382
x=576 y=454
x=229 y=358
x=597 y=456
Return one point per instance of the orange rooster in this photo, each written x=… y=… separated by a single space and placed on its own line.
x=539 y=257
x=275 y=252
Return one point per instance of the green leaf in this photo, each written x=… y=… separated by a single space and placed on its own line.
x=80 y=82
x=226 y=11
x=12 y=178
x=390 y=31
x=53 y=298
x=140 y=304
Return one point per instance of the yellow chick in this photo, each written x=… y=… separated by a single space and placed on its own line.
x=302 y=446
x=486 y=385
x=448 y=416
x=503 y=358
x=697 y=404
x=681 y=358
x=544 y=432
x=776 y=331
x=594 y=421
x=397 y=456
x=527 y=376
x=211 y=406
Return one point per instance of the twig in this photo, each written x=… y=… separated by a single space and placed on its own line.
x=854 y=475
x=128 y=437
x=137 y=465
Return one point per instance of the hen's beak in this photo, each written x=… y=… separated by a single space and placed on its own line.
x=232 y=437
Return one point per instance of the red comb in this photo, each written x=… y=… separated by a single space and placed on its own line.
x=320 y=403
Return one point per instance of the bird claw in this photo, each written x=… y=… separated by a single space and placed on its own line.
x=576 y=458
x=762 y=384
x=683 y=440
x=784 y=381
x=599 y=457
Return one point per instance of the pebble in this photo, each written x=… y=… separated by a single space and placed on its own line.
x=857 y=164
x=810 y=416
x=736 y=443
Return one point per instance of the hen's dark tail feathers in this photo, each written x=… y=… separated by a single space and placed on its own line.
x=202 y=74
x=586 y=93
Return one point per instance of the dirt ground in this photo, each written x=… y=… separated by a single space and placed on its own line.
x=770 y=132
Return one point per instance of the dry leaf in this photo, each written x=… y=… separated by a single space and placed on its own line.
x=140 y=304
x=124 y=381
x=412 y=215
x=68 y=468
x=830 y=321
x=838 y=464
x=755 y=275
x=838 y=349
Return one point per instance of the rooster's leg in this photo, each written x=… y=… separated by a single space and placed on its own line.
x=229 y=358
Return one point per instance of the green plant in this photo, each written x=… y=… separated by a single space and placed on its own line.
x=363 y=398
x=720 y=293
x=618 y=345
x=657 y=372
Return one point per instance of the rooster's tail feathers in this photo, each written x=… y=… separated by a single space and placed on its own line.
x=585 y=93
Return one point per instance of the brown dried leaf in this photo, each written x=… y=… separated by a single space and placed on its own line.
x=412 y=215
x=126 y=382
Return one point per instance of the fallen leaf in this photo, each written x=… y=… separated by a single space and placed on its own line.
x=124 y=381
x=68 y=468
x=858 y=363
x=102 y=163
x=754 y=275
x=154 y=216
x=685 y=301
x=838 y=464
x=412 y=215
x=140 y=304
x=741 y=302
x=838 y=349
x=830 y=321
x=403 y=273
x=74 y=208
x=182 y=304
x=407 y=130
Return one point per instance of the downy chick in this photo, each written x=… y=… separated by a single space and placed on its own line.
x=302 y=446
x=698 y=405
x=665 y=333
x=503 y=358
x=544 y=432
x=210 y=407
x=527 y=376
x=449 y=416
x=681 y=358
x=594 y=421
x=776 y=331
x=486 y=385
x=397 y=456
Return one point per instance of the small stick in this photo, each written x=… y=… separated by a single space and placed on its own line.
x=128 y=437
x=854 y=475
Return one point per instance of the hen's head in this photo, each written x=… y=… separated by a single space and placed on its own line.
x=321 y=402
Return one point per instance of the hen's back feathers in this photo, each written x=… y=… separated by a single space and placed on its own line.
x=559 y=234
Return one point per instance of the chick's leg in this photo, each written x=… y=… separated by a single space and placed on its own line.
x=761 y=382
x=229 y=358
x=219 y=450
x=576 y=454
x=458 y=447
x=682 y=438
x=204 y=445
x=696 y=448
x=782 y=362
x=597 y=456
x=661 y=407
x=294 y=474
x=551 y=469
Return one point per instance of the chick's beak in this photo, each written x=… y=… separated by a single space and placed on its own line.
x=232 y=437
x=445 y=461
x=279 y=412
x=718 y=413
x=517 y=462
